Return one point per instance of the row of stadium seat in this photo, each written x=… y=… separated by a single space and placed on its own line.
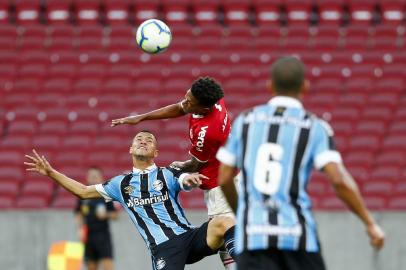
x=203 y=11
x=62 y=100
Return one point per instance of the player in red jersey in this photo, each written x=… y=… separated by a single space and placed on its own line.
x=209 y=127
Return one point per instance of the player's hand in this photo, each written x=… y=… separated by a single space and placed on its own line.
x=38 y=164
x=130 y=120
x=376 y=236
x=177 y=164
x=193 y=180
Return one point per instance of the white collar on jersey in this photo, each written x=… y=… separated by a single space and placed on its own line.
x=146 y=170
x=284 y=101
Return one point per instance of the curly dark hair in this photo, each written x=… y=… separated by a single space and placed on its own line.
x=207 y=91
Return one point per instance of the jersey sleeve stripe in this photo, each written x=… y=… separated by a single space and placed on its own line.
x=226 y=157
x=102 y=191
x=326 y=157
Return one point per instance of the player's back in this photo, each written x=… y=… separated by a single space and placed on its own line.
x=280 y=144
x=207 y=134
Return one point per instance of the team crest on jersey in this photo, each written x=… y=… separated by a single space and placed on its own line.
x=158 y=185
x=128 y=189
x=160 y=264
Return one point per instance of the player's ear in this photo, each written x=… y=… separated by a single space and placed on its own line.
x=269 y=86
x=156 y=152
x=131 y=150
x=305 y=87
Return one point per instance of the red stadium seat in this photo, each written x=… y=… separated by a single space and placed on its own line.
x=299 y=12
x=395 y=142
x=70 y=158
x=28 y=11
x=6 y=202
x=32 y=202
x=362 y=12
x=9 y=188
x=46 y=142
x=267 y=12
x=11 y=173
x=101 y=158
x=205 y=11
x=43 y=188
x=87 y=12
x=58 y=11
x=331 y=12
x=117 y=11
x=16 y=142
x=391 y=157
x=4 y=12
x=386 y=173
x=236 y=11
x=176 y=11
x=393 y=11
x=365 y=142
x=397 y=203
x=145 y=9
x=64 y=202
x=23 y=127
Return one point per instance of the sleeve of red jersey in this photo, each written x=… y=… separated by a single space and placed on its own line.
x=204 y=146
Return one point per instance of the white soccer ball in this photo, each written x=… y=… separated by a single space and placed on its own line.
x=153 y=36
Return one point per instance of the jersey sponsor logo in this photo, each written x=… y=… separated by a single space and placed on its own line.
x=200 y=138
x=158 y=185
x=128 y=189
x=160 y=264
x=225 y=122
x=133 y=202
x=295 y=231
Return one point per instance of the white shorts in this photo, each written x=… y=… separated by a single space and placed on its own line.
x=217 y=204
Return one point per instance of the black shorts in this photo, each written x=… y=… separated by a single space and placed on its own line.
x=280 y=260
x=98 y=247
x=187 y=248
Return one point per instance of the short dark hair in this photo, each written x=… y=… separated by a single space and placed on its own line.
x=207 y=91
x=288 y=74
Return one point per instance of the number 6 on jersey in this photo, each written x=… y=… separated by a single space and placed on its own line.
x=268 y=169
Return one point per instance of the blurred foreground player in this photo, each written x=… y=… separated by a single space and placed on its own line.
x=149 y=195
x=209 y=127
x=93 y=220
x=275 y=145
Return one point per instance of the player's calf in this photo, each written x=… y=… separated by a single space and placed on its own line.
x=221 y=231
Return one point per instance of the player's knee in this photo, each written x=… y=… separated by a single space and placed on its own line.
x=221 y=224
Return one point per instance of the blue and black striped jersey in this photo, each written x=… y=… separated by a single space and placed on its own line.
x=276 y=146
x=150 y=198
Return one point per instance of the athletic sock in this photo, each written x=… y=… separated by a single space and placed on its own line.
x=229 y=242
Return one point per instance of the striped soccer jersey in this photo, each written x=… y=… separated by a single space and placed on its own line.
x=275 y=146
x=150 y=198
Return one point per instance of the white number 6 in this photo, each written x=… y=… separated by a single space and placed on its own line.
x=268 y=169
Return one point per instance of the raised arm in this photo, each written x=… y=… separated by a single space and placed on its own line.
x=347 y=190
x=170 y=111
x=191 y=165
x=40 y=165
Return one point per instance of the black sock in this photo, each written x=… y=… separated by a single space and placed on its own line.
x=229 y=242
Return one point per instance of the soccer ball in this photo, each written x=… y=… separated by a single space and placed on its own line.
x=153 y=36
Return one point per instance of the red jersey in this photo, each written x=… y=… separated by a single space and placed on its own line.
x=207 y=133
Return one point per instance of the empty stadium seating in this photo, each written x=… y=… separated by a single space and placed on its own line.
x=67 y=67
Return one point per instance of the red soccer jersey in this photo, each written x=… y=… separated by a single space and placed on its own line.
x=207 y=133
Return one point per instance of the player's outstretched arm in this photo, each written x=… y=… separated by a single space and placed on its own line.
x=41 y=165
x=191 y=165
x=347 y=190
x=170 y=111
x=191 y=181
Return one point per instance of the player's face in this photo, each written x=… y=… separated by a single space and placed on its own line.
x=144 y=145
x=94 y=177
x=191 y=104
